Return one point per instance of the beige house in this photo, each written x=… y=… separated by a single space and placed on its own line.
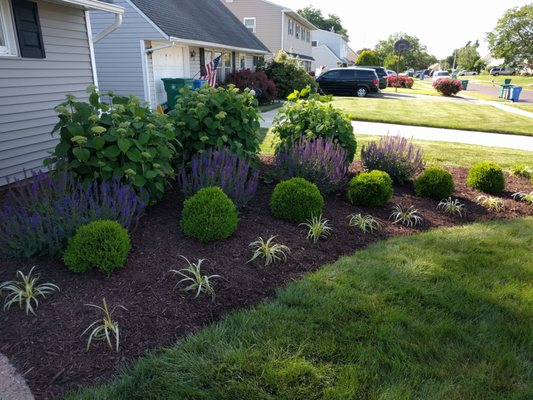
x=278 y=27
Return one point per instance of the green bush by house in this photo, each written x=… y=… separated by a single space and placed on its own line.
x=296 y=200
x=435 y=183
x=487 y=177
x=370 y=189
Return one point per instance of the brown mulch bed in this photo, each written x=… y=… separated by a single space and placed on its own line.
x=48 y=349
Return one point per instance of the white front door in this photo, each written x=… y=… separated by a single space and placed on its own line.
x=168 y=63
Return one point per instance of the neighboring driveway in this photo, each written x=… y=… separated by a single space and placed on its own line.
x=489 y=90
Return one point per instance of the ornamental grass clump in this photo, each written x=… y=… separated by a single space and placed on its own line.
x=38 y=218
x=397 y=156
x=322 y=161
x=209 y=215
x=223 y=168
x=269 y=250
x=195 y=280
x=296 y=200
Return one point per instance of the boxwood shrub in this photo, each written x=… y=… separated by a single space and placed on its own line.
x=435 y=183
x=370 y=189
x=219 y=117
x=209 y=215
x=124 y=139
x=102 y=245
x=487 y=177
x=296 y=200
x=315 y=119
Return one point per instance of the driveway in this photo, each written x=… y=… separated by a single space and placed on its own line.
x=525 y=97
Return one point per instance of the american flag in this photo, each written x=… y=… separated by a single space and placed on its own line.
x=211 y=72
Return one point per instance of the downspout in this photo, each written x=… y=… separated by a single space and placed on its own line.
x=110 y=29
x=282 y=29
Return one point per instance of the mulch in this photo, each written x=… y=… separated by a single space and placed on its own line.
x=49 y=351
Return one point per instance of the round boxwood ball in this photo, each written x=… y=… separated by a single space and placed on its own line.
x=101 y=244
x=435 y=183
x=209 y=215
x=296 y=200
x=372 y=188
x=487 y=177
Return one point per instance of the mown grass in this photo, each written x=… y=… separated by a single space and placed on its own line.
x=447 y=314
x=435 y=113
x=525 y=81
x=525 y=107
x=439 y=153
x=418 y=88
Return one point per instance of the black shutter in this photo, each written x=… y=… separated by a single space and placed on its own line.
x=28 y=29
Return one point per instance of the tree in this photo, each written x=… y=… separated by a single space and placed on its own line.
x=391 y=62
x=468 y=56
x=367 y=57
x=512 y=39
x=314 y=15
x=417 y=57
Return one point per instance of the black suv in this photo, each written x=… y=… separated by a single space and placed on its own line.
x=382 y=75
x=349 y=81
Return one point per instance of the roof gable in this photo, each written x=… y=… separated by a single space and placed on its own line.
x=200 y=20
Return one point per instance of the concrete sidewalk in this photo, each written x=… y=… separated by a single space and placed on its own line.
x=518 y=142
x=12 y=385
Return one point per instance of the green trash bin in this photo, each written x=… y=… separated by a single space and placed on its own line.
x=173 y=86
x=507 y=81
x=504 y=89
x=454 y=76
x=465 y=84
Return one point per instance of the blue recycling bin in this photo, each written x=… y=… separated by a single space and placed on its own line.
x=198 y=83
x=514 y=95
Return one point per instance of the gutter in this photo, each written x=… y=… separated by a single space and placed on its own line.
x=217 y=45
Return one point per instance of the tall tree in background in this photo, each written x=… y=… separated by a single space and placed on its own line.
x=417 y=57
x=468 y=56
x=314 y=15
x=512 y=39
x=367 y=57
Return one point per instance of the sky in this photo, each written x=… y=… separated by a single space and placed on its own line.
x=442 y=26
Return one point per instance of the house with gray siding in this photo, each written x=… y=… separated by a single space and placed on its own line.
x=170 y=39
x=330 y=49
x=278 y=27
x=45 y=52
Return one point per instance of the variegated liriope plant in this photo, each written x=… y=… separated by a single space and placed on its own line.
x=122 y=138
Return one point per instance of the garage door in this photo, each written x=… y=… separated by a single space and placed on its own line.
x=167 y=63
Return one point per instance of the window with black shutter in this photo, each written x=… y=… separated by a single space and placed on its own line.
x=28 y=29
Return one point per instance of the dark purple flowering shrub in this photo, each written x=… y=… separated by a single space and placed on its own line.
x=395 y=155
x=39 y=217
x=223 y=168
x=321 y=161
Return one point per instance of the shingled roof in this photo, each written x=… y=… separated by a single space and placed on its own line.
x=200 y=20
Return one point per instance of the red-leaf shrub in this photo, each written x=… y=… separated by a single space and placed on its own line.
x=400 y=81
x=265 y=88
x=448 y=86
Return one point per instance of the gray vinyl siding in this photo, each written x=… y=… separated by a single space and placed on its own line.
x=119 y=60
x=31 y=88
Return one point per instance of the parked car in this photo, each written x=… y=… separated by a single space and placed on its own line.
x=349 y=81
x=390 y=72
x=464 y=73
x=500 y=71
x=382 y=75
x=440 y=74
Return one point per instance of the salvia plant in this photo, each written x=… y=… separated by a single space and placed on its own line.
x=268 y=250
x=525 y=197
x=192 y=276
x=365 y=223
x=26 y=291
x=38 y=217
x=452 y=207
x=322 y=161
x=104 y=328
x=520 y=170
x=223 y=168
x=492 y=203
x=397 y=156
x=406 y=216
x=318 y=227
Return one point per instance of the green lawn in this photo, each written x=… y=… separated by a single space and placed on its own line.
x=525 y=107
x=418 y=88
x=525 y=81
x=447 y=314
x=439 y=153
x=436 y=113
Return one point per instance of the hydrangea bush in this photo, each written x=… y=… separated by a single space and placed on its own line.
x=400 y=81
x=397 y=156
x=320 y=161
x=38 y=218
x=223 y=168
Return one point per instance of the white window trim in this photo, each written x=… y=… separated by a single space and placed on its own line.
x=250 y=18
x=6 y=17
x=291 y=27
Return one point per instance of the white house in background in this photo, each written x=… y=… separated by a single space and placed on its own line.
x=170 y=39
x=278 y=27
x=330 y=49
x=46 y=51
